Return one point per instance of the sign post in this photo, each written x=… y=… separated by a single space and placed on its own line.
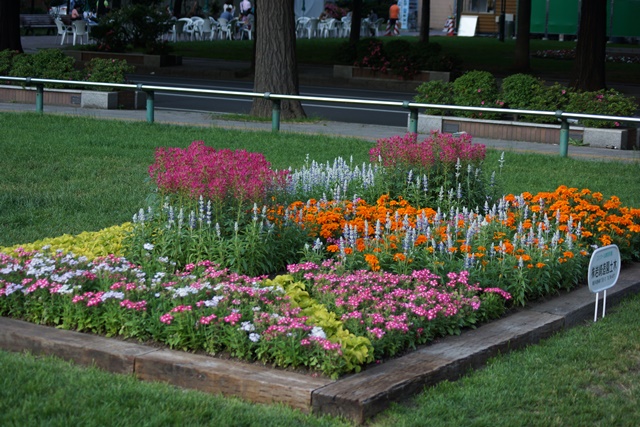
x=604 y=269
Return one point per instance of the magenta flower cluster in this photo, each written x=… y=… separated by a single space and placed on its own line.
x=411 y=308
x=438 y=148
x=217 y=175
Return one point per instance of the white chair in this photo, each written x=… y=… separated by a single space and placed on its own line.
x=329 y=28
x=375 y=26
x=345 y=26
x=300 y=25
x=247 y=28
x=188 y=28
x=197 y=25
x=215 y=27
x=177 y=31
x=205 y=29
x=80 y=30
x=311 y=28
x=227 y=28
x=63 y=30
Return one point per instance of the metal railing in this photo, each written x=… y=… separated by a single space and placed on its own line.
x=276 y=99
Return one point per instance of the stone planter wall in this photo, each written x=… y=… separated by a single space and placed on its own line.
x=349 y=72
x=128 y=100
x=622 y=139
x=138 y=60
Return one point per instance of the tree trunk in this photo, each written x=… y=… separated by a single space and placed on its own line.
x=589 y=67
x=177 y=9
x=356 y=22
x=10 y=26
x=425 y=18
x=276 y=62
x=255 y=36
x=522 y=62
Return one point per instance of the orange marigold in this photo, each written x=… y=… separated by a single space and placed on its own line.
x=399 y=257
x=372 y=260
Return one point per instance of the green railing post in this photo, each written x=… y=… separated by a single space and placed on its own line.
x=275 y=112
x=150 y=106
x=413 y=117
x=39 y=98
x=564 y=134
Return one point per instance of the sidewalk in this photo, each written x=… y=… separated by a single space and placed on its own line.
x=309 y=74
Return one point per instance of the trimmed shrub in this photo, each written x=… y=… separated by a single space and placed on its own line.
x=551 y=98
x=119 y=34
x=6 y=61
x=476 y=89
x=45 y=64
x=107 y=70
x=519 y=89
x=607 y=102
x=435 y=92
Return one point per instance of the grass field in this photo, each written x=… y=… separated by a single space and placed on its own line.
x=71 y=181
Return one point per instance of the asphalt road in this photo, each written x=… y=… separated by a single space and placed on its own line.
x=347 y=113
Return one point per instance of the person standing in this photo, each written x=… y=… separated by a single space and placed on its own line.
x=394 y=14
x=245 y=7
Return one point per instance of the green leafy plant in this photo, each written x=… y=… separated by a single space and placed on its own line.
x=136 y=27
x=435 y=92
x=519 y=89
x=46 y=64
x=551 y=98
x=430 y=56
x=476 y=89
x=6 y=60
x=606 y=102
x=107 y=71
x=374 y=56
x=402 y=60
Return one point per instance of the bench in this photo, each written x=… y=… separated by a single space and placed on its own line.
x=31 y=22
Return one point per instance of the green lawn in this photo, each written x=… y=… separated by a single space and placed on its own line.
x=72 y=181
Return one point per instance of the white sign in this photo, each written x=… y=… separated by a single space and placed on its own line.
x=404 y=13
x=467 y=26
x=604 y=268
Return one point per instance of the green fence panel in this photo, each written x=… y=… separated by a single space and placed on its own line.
x=561 y=17
x=625 y=19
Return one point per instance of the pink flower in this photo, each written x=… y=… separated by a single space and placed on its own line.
x=233 y=318
x=205 y=320
x=166 y=318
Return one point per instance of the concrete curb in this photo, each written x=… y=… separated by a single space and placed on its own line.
x=358 y=396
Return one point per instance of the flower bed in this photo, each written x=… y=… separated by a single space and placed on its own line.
x=364 y=281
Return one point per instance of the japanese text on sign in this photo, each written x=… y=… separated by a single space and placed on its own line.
x=604 y=268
